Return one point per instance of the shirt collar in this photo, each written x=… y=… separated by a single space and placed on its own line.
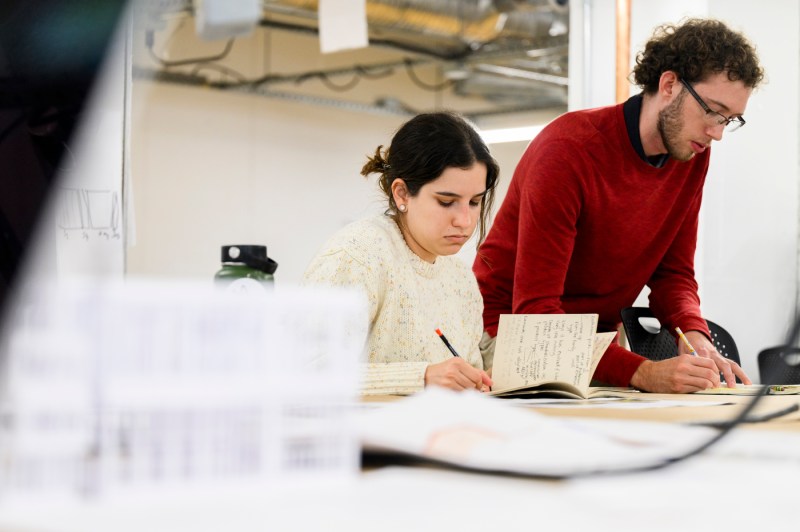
x=632 y=109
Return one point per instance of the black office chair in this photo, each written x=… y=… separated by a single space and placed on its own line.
x=656 y=343
x=779 y=365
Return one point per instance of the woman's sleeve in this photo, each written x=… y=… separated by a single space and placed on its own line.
x=344 y=269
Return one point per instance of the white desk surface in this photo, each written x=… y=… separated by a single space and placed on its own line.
x=748 y=481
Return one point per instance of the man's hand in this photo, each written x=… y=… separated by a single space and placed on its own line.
x=455 y=373
x=681 y=374
x=729 y=369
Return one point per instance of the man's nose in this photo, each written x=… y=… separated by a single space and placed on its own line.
x=716 y=131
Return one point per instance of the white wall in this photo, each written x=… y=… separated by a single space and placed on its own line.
x=750 y=214
x=212 y=169
x=747 y=249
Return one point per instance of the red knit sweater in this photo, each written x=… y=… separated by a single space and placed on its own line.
x=586 y=224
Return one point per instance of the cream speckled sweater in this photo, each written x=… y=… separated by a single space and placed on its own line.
x=408 y=299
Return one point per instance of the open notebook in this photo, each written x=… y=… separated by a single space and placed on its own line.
x=548 y=354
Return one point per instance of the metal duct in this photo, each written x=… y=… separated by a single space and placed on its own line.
x=509 y=53
x=443 y=26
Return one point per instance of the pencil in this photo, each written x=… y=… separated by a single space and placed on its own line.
x=450 y=347
x=686 y=341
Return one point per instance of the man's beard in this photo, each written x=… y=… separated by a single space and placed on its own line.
x=670 y=124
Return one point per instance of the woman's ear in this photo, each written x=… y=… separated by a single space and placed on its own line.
x=399 y=192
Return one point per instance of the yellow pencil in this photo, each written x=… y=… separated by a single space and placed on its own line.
x=686 y=341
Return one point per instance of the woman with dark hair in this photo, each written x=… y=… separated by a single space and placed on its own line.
x=439 y=179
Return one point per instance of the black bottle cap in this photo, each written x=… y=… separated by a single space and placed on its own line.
x=253 y=256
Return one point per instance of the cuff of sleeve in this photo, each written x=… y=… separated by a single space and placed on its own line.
x=617 y=366
x=486 y=347
x=393 y=378
x=692 y=323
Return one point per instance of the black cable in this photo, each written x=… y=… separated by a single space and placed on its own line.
x=237 y=76
x=421 y=84
x=368 y=74
x=755 y=419
x=724 y=428
x=361 y=72
x=339 y=88
x=149 y=39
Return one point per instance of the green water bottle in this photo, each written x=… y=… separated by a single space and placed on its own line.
x=246 y=269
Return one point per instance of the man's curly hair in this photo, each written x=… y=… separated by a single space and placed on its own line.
x=694 y=50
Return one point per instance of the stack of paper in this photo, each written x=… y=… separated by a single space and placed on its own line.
x=474 y=431
x=138 y=385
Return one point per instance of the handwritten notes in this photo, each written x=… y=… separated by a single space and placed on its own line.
x=537 y=349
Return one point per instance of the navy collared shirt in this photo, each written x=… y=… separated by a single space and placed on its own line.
x=632 y=108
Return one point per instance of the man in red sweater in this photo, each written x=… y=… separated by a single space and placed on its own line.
x=605 y=201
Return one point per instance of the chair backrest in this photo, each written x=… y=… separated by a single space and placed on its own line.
x=774 y=368
x=724 y=342
x=654 y=344
x=659 y=344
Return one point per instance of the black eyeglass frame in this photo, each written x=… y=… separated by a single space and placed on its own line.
x=730 y=124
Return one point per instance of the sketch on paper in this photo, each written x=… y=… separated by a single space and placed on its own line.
x=86 y=213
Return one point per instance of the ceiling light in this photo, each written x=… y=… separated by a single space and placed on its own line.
x=510 y=134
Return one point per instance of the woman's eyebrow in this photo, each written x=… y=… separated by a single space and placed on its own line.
x=454 y=195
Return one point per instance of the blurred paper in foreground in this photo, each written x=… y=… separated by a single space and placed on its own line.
x=111 y=387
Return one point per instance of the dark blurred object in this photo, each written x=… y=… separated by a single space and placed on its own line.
x=51 y=51
x=779 y=365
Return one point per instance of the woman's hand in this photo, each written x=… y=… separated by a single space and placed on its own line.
x=456 y=374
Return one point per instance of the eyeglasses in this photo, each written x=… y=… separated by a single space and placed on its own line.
x=712 y=117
